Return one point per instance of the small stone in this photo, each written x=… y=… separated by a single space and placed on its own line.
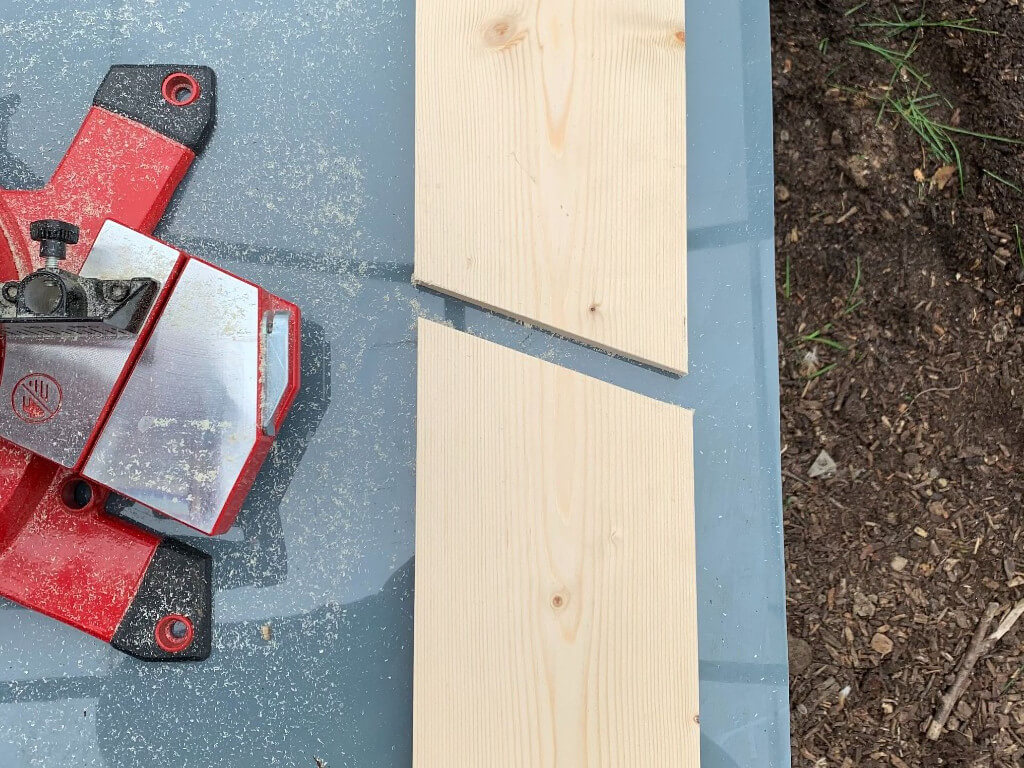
x=783 y=135
x=1000 y=332
x=836 y=139
x=823 y=466
x=781 y=193
x=920 y=532
x=862 y=605
x=881 y=644
x=800 y=655
x=898 y=563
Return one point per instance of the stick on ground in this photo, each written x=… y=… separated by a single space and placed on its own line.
x=981 y=644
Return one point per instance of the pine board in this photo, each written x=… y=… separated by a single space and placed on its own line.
x=555 y=621
x=551 y=166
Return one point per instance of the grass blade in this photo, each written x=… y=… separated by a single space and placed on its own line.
x=975 y=134
x=823 y=371
x=1001 y=180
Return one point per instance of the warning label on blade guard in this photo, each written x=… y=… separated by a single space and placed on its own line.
x=36 y=398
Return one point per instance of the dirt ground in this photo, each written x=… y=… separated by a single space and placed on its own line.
x=901 y=342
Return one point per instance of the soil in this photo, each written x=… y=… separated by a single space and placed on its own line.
x=901 y=343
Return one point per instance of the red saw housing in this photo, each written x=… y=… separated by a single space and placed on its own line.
x=60 y=553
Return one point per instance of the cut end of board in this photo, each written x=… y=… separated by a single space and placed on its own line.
x=676 y=365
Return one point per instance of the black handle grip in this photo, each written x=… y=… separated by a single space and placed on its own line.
x=176 y=100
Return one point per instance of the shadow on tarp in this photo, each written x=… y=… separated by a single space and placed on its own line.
x=304 y=704
x=14 y=172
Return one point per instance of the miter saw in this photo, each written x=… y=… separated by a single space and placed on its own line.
x=128 y=367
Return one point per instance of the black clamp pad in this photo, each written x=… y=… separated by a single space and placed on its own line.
x=178 y=582
x=137 y=92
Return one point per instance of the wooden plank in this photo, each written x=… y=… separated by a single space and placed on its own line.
x=551 y=166
x=555 y=598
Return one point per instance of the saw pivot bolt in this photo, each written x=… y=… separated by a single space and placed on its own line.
x=54 y=236
x=116 y=290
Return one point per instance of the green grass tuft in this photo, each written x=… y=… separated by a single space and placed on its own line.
x=899 y=60
x=901 y=25
x=917 y=105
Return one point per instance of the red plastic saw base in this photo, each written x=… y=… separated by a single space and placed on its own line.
x=58 y=556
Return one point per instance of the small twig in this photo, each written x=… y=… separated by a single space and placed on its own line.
x=1007 y=624
x=796 y=478
x=846 y=215
x=956 y=690
x=981 y=644
x=913 y=400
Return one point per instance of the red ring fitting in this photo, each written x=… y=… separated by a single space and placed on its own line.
x=167 y=629
x=180 y=89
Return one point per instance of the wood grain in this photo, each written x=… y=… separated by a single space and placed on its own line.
x=555 y=599
x=551 y=165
